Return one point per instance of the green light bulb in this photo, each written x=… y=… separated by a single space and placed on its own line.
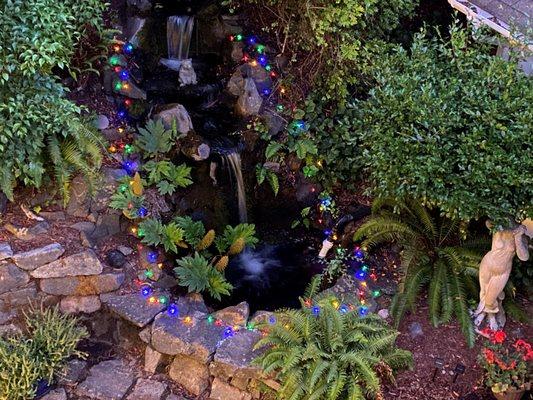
x=128 y=149
x=260 y=48
x=163 y=300
x=149 y=273
x=210 y=319
x=118 y=86
x=238 y=37
x=114 y=60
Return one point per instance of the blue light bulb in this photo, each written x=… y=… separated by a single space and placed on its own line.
x=251 y=40
x=272 y=320
x=262 y=60
x=124 y=75
x=228 y=332
x=266 y=91
x=315 y=310
x=142 y=212
x=146 y=291
x=361 y=275
x=363 y=311
x=122 y=114
x=127 y=48
x=343 y=308
x=172 y=309
x=152 y=257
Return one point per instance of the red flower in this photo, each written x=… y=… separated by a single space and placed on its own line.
x=522 y=345
x=487 y=332
x=489 y=356
x=529 y=355
x=499 y=337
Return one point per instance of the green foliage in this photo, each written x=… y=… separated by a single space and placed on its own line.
x=451 y=124
x=168 y=176
x=42 y=131
x=198 y=275
x=262 y=173
x=231 y=234
x=193 y=231
x=154 y=139
x=331 y=355
x=325 y=38
x=52 y=338
x=432 y=257
x=124 y=199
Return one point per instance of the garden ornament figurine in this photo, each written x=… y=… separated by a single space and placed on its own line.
x=494 y=272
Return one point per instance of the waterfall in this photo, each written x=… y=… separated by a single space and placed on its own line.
x=179 y=34
x=233 y=162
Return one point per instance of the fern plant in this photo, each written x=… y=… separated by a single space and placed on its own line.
x=198 y=275
x=52 y=338
x=323 y=353
x=433 y=256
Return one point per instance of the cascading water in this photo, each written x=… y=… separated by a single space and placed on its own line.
x=233 y=161
x=179 y=34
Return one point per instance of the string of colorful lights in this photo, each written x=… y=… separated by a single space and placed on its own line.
x=255 y=55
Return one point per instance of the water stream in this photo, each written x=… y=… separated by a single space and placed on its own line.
x=179 y=34
x=233 y=162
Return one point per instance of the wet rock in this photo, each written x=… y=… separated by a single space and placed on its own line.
x=261 y=317
x=108 y=380
x=197 y=338
x=57 y=394
x=234 y=356
x=19 y=297
x=147 y=389
x=234 y=315
x=221 y=390
x=82 y=285
x=84 y=263
x=415 y=329
x=12 y=278
x=102 y=197
x=134 y=26
x=249 y=102
x=194 y=146
x=101 y=122
x=152 y=359
x=133 y=307
x=187 y=76
x=237 y=51
x=77 y=304
x=73 y=373
x=176 y=112
x=165 y=281
x=83 y=226
x=272 y=166
x=192 y=374
x=115 y=258
x=5 y=251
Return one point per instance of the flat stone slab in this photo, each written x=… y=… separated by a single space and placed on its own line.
x=20 y=297
x=32 y=259
x=57 y=394
x=196 y=338
x=82 y=285
x=5 y=251
x=12 y=278
x=108 y=380
x=84 y=263
x=73 y=372
x=147 y=389
x=133 y=307
x=77 y=304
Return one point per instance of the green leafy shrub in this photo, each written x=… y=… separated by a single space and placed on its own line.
x=432 y=256
x=325 y=37
x=41 y=130
x=200 y=270
x=52 y=338
x=450 y=124
x=332 y=355
x=155 y=140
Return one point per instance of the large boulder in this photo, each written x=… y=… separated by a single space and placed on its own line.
x=133 y=307
x=82 y=285
x=234 y=315
x=250 y=101
x=32 y=259
x=84 y=263
x=108 y=380
x=196 y=338
x=12 y=278
x=175 y=112
x=190 y=373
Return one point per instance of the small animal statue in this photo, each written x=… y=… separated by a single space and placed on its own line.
x=187 y=75
x=494 y=272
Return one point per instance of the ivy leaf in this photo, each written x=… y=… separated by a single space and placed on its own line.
x=272 y=149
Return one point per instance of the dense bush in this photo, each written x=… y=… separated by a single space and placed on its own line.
x=450 y=124
x=41 y=130
x=52 y=338
x=432 y=256
x=324 y=353
x=325 y=37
